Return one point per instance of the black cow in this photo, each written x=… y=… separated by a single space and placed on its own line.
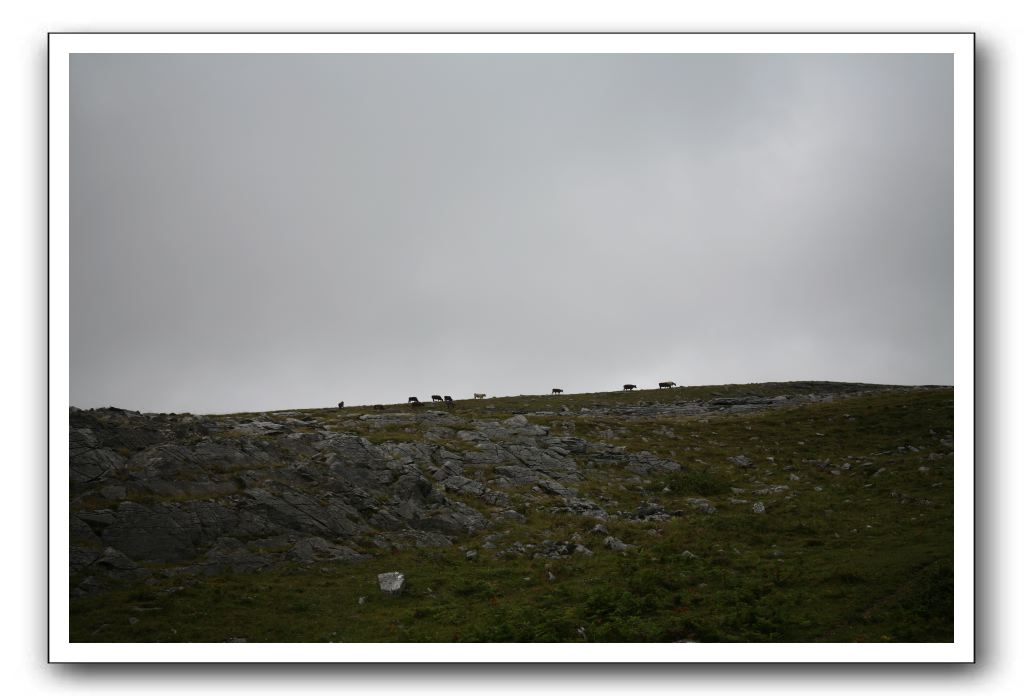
x=340 y=404
x=665 y=385
x=628 y=387
x=437 y=397
x=449 y=400
x=556 y=391
x=413 y=400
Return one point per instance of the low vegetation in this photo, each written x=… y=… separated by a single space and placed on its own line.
x=854 y=541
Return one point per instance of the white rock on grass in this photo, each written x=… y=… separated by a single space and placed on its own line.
x=758 y=507
x=391 y=583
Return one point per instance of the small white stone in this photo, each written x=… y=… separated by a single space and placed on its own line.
x=391 y=583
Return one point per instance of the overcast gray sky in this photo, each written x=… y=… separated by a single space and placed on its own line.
x=255 y=232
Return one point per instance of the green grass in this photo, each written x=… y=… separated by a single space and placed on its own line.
x=868 y=557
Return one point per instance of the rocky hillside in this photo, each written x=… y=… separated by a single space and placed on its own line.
x=166 y=499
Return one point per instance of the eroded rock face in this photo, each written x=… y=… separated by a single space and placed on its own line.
x=205 y=495
x=243 y=493
x=209 y=496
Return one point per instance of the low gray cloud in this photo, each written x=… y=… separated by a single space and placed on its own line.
x=273 y=231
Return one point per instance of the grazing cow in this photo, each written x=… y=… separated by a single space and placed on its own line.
x=340 y=404
x=665 y=385
x=437 y=397
x=628 y=387
x=477 y=395
x=448 y=400
x=378 y=407
x=556 y=390
x=413 y=400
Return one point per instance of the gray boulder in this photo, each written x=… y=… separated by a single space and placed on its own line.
x=702 y=505
x=616 y=544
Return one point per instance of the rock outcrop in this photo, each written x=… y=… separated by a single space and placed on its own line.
x=179 y=493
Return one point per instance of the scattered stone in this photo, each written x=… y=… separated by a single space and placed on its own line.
x=702 y=505
x=362 y=600
x=741 y=461
x=471 y=555
x=688 y=555
x=650 y=510
x=758 y=508
x=617 y=544
x=600 y=529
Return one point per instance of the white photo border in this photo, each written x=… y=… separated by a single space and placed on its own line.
x=62 y=45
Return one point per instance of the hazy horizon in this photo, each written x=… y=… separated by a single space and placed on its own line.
x=274 y=231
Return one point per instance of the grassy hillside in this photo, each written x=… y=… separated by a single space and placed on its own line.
x=853 y=543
